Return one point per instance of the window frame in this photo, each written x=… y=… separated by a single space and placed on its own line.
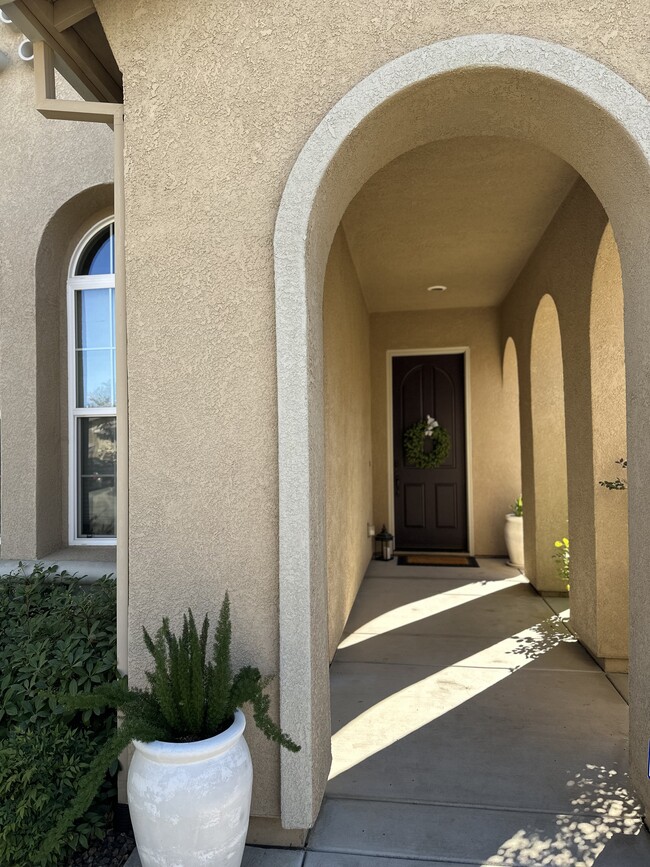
x=73 y=286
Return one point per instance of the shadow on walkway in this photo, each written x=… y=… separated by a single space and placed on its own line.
x=469 y=727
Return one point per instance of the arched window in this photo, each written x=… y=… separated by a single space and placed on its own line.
x=91 y=388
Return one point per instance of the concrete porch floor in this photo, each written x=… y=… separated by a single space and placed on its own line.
x=469 y=728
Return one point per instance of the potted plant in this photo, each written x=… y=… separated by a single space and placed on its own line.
x=562 y=559
x=514 y=533
x=190 y=780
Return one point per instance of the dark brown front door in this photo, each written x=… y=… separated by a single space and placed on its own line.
x=431 y=504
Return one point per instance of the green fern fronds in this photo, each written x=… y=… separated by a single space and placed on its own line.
x=248 y=688
x=219 y=675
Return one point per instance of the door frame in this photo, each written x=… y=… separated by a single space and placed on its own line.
x=451 y=350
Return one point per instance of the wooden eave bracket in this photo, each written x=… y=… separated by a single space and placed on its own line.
x=66 y=109
x=72 y=57
x=67 y=13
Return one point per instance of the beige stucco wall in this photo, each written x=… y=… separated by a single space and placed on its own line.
x=493 y=427
x=208 y=152
x=610 y=444
x=576 y=260
x=563 y=266
x=46 y=164
x=348 y=446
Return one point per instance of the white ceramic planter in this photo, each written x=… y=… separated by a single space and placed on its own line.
x=190 y=803
x=514 y=533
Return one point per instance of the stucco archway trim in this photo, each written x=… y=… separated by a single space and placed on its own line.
x=341 y=154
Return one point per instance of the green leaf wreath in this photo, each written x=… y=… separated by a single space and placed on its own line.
x=415 y=438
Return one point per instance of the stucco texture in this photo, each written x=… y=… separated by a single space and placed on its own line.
x=610 y=444
x=49 y=168
x=577 y=366
x=348 y=444
x=208 y=152
x=492 y=414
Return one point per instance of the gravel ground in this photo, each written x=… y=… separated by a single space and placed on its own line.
x=112 y=851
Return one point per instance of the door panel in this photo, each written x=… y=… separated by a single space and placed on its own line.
x=415 y=507
x=430 y=505
x=446 y=507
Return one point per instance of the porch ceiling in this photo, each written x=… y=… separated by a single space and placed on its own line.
x=465 y=213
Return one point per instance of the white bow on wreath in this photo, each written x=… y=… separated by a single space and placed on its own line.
x=432 y=424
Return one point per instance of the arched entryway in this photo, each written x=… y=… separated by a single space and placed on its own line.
x=482 y=85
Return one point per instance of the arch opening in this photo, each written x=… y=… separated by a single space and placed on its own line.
x=549 y=449
x=511 y=393
x=514 y=528
x=479 y=86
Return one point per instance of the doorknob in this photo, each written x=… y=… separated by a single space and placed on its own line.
x=397 y=486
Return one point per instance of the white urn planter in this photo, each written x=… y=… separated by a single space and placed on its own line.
x=190 y=802
x=514 y=533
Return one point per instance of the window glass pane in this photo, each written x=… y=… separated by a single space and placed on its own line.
x=94 y=318
x=97 y=454
x=98 y=257
x=95 y=377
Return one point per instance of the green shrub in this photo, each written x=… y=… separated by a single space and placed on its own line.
x=57 y=637
x=40 y=771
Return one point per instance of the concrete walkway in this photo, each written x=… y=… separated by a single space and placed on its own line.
x=469 y=728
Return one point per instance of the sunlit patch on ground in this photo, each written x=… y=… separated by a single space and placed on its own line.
x=406 y=615
x=419 y=704
x=459 y=745
x=581 y=837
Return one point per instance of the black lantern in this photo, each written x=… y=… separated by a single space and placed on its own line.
x=383 y=545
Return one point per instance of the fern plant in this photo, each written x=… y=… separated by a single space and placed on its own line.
x=190 y=698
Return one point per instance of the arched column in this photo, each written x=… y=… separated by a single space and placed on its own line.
x=562 y=266
x=549 y=444
x=527 y=461
x=607 y=633
x=512 y=406
x=476 y=85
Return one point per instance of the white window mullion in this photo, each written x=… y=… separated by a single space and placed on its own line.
x=111 y=297
x=72 y=421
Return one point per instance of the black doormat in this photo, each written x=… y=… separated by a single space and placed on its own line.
x=447 y=560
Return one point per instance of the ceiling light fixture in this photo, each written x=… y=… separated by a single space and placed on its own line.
x=436 y=288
